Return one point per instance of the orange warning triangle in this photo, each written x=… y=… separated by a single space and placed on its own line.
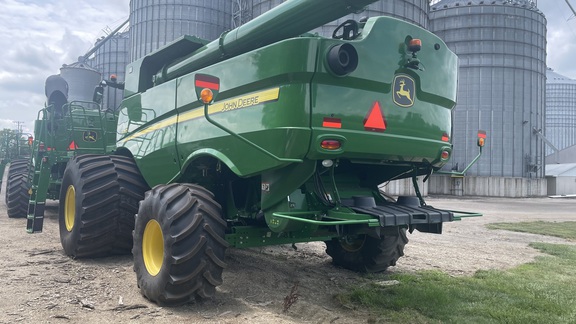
x=375 y=121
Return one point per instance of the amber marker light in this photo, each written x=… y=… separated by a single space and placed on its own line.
x=414 y=45
x=481 y=138
x=481 y=141
x=206 y=95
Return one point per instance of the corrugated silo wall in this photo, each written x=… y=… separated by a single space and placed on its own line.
x=501 y=89
x=560 y=111
x=154 y=23
x=414 y=11
x=82 y=79
x=112 y=58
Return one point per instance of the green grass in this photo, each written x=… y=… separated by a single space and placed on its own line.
x=565 y=230
x=543 y=291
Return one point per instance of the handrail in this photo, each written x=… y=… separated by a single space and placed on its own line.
x=324 y=223
x=462 y=173
x=458 y=215
x=82 y=105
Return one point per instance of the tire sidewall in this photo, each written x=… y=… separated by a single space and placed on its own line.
x=17 y=185
x=71 y=178
x=153 y=285
x=192 y=240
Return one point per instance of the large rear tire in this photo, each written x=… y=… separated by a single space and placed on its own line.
x=18 y=166
x=364 y=253
x=17 y=189
x=98 y=200
x=179 y=247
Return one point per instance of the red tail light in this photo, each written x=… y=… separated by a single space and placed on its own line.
x=445 y=155
x=330 y=144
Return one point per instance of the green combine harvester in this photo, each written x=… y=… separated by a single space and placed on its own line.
x=266 y=136
x=62 y=130
x=71 y=123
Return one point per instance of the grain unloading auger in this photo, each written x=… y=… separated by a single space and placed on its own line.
x=266 y=137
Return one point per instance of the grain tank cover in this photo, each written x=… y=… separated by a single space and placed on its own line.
x=82 y=79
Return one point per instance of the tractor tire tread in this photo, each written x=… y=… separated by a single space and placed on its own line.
x=17 y=189
x=107 y=205
x=194 y=248
x=375 y=255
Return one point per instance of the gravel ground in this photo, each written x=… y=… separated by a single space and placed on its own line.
x=39 y=284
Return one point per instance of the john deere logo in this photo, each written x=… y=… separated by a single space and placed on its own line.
x=403 y=92
x=90 y=136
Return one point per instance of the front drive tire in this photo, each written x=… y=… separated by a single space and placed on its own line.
x=98 y=200
x=364 y=253
x=179 y=247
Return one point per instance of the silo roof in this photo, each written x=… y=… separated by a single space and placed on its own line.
x=79 y=65
x=445 y=4
x=553 y=77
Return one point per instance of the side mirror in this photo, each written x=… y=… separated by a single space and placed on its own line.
x=98 y=94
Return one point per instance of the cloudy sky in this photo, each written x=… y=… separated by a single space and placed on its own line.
x=38 y=36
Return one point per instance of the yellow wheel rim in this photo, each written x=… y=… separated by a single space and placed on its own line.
x=353 y=244
x=153 y=247
x=70 y=208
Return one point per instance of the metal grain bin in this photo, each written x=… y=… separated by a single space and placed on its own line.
x=112 y=58
x=560 y=111
x=501 y=45
x=414 y=11
x=154 y=23
x=82 y=79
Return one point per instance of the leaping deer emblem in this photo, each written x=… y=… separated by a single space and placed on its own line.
x=404 y=92
x=90 y=136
